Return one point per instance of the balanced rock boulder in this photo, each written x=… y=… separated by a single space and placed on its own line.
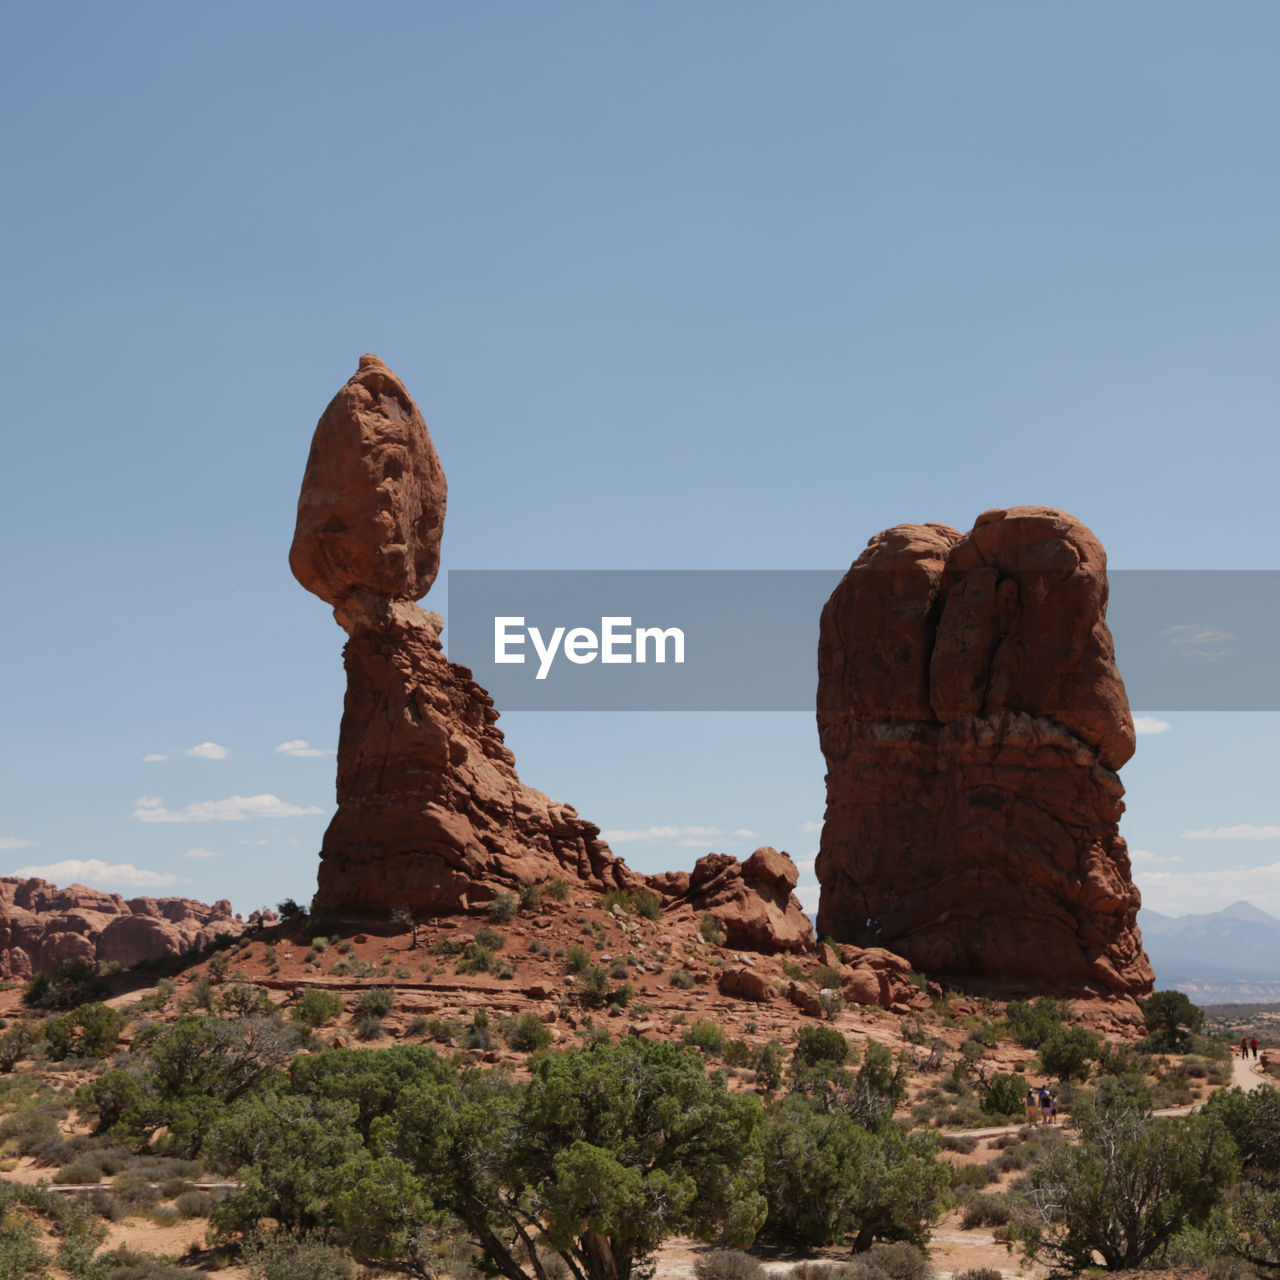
x=431 y=814
x=43 y=927
x=973 y=722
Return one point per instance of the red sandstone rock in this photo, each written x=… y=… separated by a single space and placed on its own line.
x=43 y=927
x=745 y=983
x=752 y=900
x=371 y=510
x=431 y=815
x=972 y=720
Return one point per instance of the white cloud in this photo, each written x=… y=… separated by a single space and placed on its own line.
x=808 y=895
x=1241 y=831
x=811 y=826
x=1145 y=858
x=1176 y=893
x=203 y=853
x=806 y=863
x=1149 y=724
x=94 y=871
x=1198 y=642
x=208 y=751
x=300 y=747
x=684 y=837
x=232 y=809
x=154 y=758
x=148 y=802
x=15 y=842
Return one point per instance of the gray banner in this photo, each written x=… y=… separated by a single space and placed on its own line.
x=746 y=640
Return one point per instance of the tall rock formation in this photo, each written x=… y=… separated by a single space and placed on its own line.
x=973 y=720
x=431 y=815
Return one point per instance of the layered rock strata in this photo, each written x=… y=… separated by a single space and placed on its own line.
x=973 y=722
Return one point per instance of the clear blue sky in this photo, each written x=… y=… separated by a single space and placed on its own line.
x=675 y=285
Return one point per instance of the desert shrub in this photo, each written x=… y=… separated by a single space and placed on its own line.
x=576 y=958
x=831 y=1000
x=367 y=1025
x=128 y=1264
x=830 y=1179
x=979 y=1273
x=1066 y=1053
x=445 y=1030
x=900 y=1260
x=14 y=1043
x=710 y=929
x=75 y=983
x=1032 y=1023
x=526 y=1033
x=820 y=1044
x=958 y=1142
x=284 y=1257
x=682 y=979
x=618 y=969
x=134 y=1190
x=317 y=1007
x=593 y=987
x=447 y=947
x=986 y=1211
x=728 y=1264
x=970 y=1175
x=479 y=1035
x=1130 y=1184
x=243 y=1000
x=557 y=889
x=1171 y=1020
x=1005 y=1095
x=768 y=1066
x=738 y=1053
x=193 y=1203
x=504 y=907
x=77 y=1172
x=707 y=1036
x=377 y=1000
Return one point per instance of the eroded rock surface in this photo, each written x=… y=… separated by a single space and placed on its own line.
x=43 y=927
x=753 y=901
x=431 y=815
x=973 y=720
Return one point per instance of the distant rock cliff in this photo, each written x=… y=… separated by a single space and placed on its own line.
x=43 y=927
x=973 y=720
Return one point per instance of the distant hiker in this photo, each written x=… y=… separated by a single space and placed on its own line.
x=1053 y=1108
x=1254 y=1045
x=1033 y=1106
x=1046 y=1104
x=1244 y=1046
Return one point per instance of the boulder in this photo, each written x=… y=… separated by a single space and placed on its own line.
x=752 y=900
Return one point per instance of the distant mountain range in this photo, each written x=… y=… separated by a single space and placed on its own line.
x=1230 y=956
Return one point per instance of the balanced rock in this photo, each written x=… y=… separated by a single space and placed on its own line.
x=973 y=720
x=371 y=512
x=43 y=927
x=431 y=814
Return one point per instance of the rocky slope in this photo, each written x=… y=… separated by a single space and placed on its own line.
x=43 y=927
x=973 y=720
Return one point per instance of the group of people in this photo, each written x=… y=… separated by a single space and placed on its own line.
x=1042 y=1106
x=1246 y=1044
